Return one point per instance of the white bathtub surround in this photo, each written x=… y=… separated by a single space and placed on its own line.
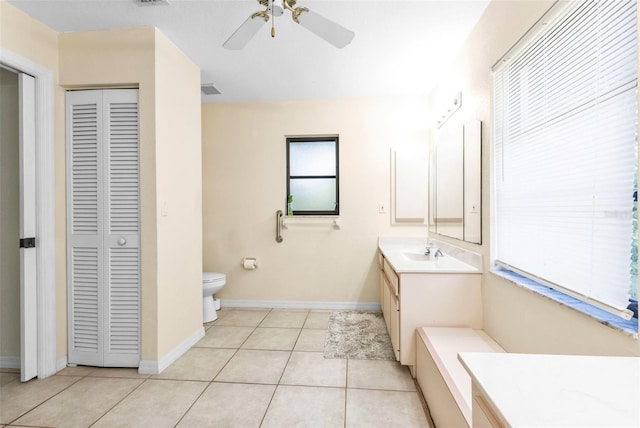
x=445 y=383
x=556 y=390
x=407 y=255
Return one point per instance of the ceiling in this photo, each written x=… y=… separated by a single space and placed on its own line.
x=400 y=47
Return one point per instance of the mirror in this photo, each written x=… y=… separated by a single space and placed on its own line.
x=455 y=184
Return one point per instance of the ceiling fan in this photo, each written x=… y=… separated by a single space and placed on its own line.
x=326 y=29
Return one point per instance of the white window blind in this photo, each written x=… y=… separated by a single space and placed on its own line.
x=565 y=123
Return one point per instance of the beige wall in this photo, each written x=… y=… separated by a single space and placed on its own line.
x=243 y=167
x=244 y=173
x=519 y=320
x=171 y=246
x=123 y=58
x=9 y=216
x=27 y=37
x=31 y=39
x=179 y=196
x=134 y=58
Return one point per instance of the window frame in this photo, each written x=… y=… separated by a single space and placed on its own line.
x=497 y=265
x=313 y=139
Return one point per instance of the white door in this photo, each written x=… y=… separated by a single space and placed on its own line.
x=28 y=295
x=103 y=251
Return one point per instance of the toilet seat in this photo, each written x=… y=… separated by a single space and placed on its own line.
x=213 y=277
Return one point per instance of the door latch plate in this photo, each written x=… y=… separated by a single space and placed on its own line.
x=27 y=242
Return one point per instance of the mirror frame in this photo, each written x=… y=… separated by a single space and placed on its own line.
x=471 y=170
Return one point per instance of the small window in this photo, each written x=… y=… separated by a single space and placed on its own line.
x=312 y=176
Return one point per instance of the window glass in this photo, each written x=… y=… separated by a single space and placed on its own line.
x=312 y=158
x=312 y=176
x=313 y=194
x=565 y=125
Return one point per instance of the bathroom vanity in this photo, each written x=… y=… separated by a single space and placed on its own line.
x=418 y=291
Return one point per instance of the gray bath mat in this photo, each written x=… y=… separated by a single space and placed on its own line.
x=360 y=335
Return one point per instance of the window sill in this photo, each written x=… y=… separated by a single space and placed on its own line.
x=310 y=220
x=628 y=327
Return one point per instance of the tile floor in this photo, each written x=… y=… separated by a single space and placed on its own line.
x=253 y=368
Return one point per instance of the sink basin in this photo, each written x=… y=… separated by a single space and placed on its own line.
x=415 y=256
x=422 y=261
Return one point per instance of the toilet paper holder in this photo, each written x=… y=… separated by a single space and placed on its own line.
x=249 y=263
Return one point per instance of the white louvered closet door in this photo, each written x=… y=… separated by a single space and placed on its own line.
x=103 y=251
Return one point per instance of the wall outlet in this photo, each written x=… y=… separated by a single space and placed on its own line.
x=382 y=208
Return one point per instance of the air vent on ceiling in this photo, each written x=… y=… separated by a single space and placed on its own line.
x=152 y=2
x=209 y=89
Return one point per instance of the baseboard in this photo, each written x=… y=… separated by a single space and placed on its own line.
x=61 y=363
x=9 y=362
x=152 y=367
x=293 y=304
x=14 y=363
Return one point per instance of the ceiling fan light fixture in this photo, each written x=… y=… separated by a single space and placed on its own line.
x=326 y=29
x=252 y=25
x=295 y=14
x=322 y=27
x=245 y=32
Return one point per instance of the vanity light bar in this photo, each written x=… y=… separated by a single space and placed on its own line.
x=453 y=106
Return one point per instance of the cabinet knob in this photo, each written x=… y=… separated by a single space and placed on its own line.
x=122 y=241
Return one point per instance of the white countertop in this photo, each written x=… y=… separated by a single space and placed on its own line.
x=559 y=390
x=407 y=256
x=444 y=344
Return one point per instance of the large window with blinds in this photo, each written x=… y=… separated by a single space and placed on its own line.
x=565 y=153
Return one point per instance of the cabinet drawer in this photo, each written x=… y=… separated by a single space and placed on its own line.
x=391 y=276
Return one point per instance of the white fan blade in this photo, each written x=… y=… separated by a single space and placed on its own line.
x=326 y=29
x=244 y=33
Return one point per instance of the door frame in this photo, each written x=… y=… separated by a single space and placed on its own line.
x=45 y=207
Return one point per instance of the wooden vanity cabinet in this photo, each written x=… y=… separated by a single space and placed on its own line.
x=390 y=305
x=412 y=300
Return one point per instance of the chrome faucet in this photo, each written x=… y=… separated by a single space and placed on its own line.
x=431 y=249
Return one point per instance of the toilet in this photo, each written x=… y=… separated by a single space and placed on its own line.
x=212 y=282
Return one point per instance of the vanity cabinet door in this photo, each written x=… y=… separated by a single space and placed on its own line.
x=392 y=277
x=395 y=326
x=381 y=291
x=386 y=303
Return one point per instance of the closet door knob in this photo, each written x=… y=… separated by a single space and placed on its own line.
x=122 y=241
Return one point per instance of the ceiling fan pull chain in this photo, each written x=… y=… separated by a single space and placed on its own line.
x=326 y=29
x=273 y=21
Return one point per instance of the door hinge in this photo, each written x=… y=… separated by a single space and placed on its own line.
x=27 y=242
